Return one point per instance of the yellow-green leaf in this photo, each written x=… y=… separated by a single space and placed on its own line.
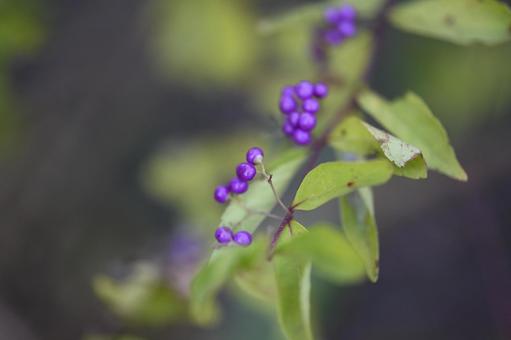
x=458 y=21
x=359 y=225
x=292 y=276
x=410 y=119
x=331 y=254
x=333 y=179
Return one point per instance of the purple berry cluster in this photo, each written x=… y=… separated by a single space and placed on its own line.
x=245 y=172
x=341 y=24
x=224 y=235
x=299 y=103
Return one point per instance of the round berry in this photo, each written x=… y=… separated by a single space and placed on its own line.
x=288 y=128
x=332 y=15
x=287 y=104
x=347 y=12
x=293 y=118
x=221 y=194
x=255 y=155
x=223 y=235
x=246 y=171
x=321 y=90
x=301 y=137
x=307 y=121
x=304 y=89
x=243 y=238
x=347 y=28
x=310 y=105
x=333 y=37
x=288 y=91
x=237 y=186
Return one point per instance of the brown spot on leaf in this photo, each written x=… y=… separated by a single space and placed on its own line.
x=449 y=20
x=343 y=132
x=350 y=184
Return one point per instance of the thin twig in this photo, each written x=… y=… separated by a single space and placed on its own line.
x=268 y=178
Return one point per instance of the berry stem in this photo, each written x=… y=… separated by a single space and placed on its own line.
x=268 y=178
x=255 y=211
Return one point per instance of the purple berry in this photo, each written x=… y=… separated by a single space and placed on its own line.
x=246 y=171
x=320 y=90
x=307 y=121
x=221 y=194
x=243 y=238
x=310 y=105
x=288 y=91
x=293 y=119
x=255 y=155
x=288 y=128
x=347 y=28
x=347 y=12
x=223 y=235
x=287 y=104
x=304 y=89
x=332 y=15
x=237 y=186
x=301 y=137
x=333 y=37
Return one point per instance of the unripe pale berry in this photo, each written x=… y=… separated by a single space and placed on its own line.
x=287 y=104
x=310 y=105
x=221 y=194
x=245 y=171
x=223 y=235
x=301 y=137
x=304 y=89
x=243 y=238
x=307 y=121
x=293 y=118
x=320 y=90
x=237 y=186
x=255 y=155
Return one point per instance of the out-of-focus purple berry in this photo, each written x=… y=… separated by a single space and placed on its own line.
x=288 y=128
x=347 y=12
x=246 y=171
x=287 y=104
x=221 y=194
x=307 y=121
x=304 y=89
x=310 y=105
x=320 y=90
x=301 y=137
x=288 y=91
x=332 y=15
x=347 y=28
x=255 y=155
x=223 y=235
x=243 y=238
x=293 y=118
x=237 y=186
x=333 y=37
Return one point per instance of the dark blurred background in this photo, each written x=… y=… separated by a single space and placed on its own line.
x=117 y=118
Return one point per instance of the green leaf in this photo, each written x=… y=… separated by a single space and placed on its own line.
x=292 y=276
x=359 y=225
x=330 y=253
x=458 y=21
x=394 y=149
x=410 y=119
x=333 y=179
x=352 y=136
x=260 y=196
x=304 y=15
x=414 y=169
x=214 y=274
x=143 y=298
